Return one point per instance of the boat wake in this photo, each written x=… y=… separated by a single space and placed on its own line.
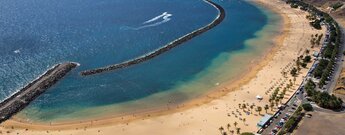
x=158 y=20
x=220 y=17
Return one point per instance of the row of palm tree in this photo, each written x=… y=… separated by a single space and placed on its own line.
x=223 y=132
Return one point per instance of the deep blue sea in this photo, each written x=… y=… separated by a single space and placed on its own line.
x=37 y=34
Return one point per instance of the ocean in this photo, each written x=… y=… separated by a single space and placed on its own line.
x=37 y=34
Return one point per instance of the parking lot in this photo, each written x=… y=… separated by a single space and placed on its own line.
x=279 y=119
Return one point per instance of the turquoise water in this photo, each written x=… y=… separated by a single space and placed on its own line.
x=36 y=34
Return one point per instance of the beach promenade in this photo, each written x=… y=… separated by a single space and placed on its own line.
x=232 y=106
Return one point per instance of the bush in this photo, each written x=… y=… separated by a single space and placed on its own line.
x=307 y=107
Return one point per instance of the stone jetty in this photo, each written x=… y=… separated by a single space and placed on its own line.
x=31 y=91
x=169 y=46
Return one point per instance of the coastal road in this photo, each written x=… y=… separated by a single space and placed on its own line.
x=338 y=66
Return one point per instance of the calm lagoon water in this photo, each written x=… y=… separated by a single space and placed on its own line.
x=36 y=34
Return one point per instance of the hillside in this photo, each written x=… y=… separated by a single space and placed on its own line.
x=328 y=4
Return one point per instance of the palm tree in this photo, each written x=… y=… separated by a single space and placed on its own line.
x=272 y=105
x=244 y=106
x=228 y=126
x=259 y=109
x=277 y=101
x=294 y=80
x=290 y=82
x=221 y=130
x=232 y=131
x=238 y=130
x=235 y=123
x=266 y=108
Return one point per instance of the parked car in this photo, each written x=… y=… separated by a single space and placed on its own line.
x=287 y=114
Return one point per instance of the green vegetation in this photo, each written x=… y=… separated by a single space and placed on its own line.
x=307 y=59
x=307 y=107
x=259 y=109
x=293 y=5
x=320 y=68
x=316 y=24
x=337 y=5
x=323 y=99
x=309 y=87
x=293 y=72
x=292 y=121
x=311 y=17
x=275 y=97
x=316 y=40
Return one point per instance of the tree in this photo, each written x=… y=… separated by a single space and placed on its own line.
x=251 y=107
x=304 y=65
x=259 y=109
x=272 y=105
x=293 y=72
x=235 y=123
x=277 y=101
x=232 y=131
x=294 y=80
x=244 y=120
x=266 y=108
x=221 y=130
x=238 y=130
x=307 y=51
x=290 y=123
x=228 y=127
x=307 y=107
x=307 y=59
x=244 y=106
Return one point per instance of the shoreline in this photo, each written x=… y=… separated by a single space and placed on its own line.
x=220 y=17
x=253 y=68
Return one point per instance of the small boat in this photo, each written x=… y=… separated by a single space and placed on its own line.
x=17 y=51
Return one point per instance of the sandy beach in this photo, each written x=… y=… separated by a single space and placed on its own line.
x=217 y=109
